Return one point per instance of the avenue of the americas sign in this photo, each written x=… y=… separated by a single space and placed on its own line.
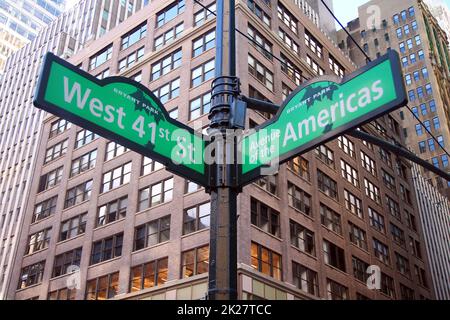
x=321 y=110
x=122 y=110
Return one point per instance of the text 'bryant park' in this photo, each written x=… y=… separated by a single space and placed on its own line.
x=232 y=150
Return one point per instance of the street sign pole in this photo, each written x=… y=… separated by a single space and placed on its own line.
x=222 y=282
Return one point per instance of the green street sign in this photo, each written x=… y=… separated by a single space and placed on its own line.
x=322 y=110
x=121 y=110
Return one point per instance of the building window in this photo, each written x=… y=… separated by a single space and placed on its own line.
x=51 y=179
x=421 y=55
x=194 y=262
x=444 y=159
x=368 y=163
x=31 y=275
x=299 y=199
x=266 y=261
x=353 y=204
x=421 y=276
x=73 y=227
x=191 y=187
x=422 y=147
x=406 y=293
x=107 y=249
x=168 y=36
x=173 y=113
x=57 y=127
x=269 y=184
x=260 y=72
x=387 y=285
x=134 y=36
x=288 y=40
x=315 y=67
x=402 y=265
x=347 y=146
x=290 y=70
x=396 y=19
x=419 y=130
x=359 y=269
x=261 y=41
x=202 y=73
x=78 y=194
x=259 y=12
x=265 y=217
x=287 y=18
x=300 y=166
x=64 y=262
x=157 y=193
x=330 y=219
x=349 y=173
x=420 y=93
x=100 y=58
x=333 y=255
x=405 y=62
x=204 y=14
x=152 y=233
x=325 y=154
x=196 y=218
x=131 y=59
x=112 y=211
x=327 y=185
x=372 y=191
x=83 y=163
x=441 y=142
x=305 y=279
x=102 y=75
x=44 y=209
x=418 y=40
x=56 y=151
x=302 y=238
x=389 y=181
x=313 y=44
x=169 y=13
x=358 y=236
x=200 y=106
x=103 y=288
x=38 y=241
x=149 y=166
x=203 y=43
x=116 y=177
x=62 y=294
x=168 y=91
x=166 y=64
x=336 y=67
x=393 y=208
x=149 y=275
x=285 y=91
x=84 y=137
x=408 y=79
x=377 y=221
x=336 y=291
x=113 y=149
x=405 y=194
x=381 y=251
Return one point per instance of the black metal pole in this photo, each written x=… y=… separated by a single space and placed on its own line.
x=222 y=282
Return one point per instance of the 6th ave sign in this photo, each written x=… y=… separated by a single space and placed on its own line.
x=122 y=110
x=320 y=111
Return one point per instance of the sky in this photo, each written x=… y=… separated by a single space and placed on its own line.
x=346 y=10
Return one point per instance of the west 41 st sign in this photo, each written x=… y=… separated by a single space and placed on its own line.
x=125 y=111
